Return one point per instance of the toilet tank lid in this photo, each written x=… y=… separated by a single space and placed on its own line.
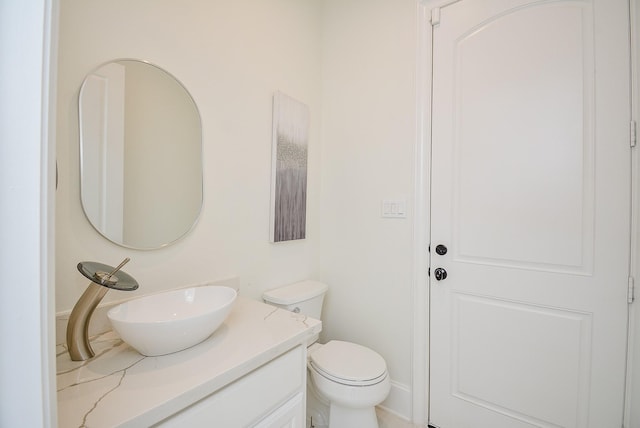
x=296 y=292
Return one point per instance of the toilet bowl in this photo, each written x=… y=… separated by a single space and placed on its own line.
x=345 y=380
x=352 y=379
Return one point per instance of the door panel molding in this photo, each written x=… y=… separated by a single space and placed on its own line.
x=530 y=192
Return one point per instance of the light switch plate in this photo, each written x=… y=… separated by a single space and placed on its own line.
x=394 y=208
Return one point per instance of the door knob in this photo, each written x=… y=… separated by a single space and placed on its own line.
x=440 y=274
x=441 y=250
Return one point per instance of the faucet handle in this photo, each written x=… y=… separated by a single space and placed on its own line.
x=104 y=275
x=109 y=277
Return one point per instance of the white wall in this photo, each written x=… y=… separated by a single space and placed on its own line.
x=368 y=143
x=27 y=171
x=232 y=56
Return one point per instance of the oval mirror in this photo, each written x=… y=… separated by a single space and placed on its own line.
x=140 y=154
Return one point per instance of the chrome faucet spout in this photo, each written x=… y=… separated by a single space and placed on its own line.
x=102 y=278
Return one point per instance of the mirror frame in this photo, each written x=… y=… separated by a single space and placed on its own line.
x=196 y=218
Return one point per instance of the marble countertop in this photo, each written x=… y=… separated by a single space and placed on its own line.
x=121 y=388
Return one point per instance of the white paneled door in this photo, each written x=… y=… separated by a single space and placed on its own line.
x=530 y=218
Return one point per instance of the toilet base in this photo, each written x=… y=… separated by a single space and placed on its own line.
x=344 y=417
x=322 y=414
x=317 y=410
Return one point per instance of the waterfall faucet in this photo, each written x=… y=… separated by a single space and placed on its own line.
x=102 y=278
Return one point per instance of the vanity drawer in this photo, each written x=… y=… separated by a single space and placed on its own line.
x=251 y=398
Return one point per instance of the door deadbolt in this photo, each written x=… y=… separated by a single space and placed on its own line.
x=441 y=250
x=440 y=274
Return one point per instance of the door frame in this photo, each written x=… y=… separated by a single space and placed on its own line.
x=28 y=272
x=632 y=393
x=421 y=225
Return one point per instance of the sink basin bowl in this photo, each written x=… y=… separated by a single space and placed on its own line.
x=172 y=321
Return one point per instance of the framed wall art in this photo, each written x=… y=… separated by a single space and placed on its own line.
x=289 y=169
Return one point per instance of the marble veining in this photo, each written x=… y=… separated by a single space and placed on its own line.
x=121 y=388
x=297 y=316
x=271 y=313
x=122 y=373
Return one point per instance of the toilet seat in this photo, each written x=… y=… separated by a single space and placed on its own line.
x=348 y=363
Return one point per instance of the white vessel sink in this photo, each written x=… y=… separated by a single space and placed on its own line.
x=172 y=321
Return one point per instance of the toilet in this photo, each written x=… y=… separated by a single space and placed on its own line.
x=345 y=381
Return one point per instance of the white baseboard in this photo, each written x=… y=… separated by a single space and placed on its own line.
x=399 y=401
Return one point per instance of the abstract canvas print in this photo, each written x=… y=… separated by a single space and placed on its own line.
x=289 y=169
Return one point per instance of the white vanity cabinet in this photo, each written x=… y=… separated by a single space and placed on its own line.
x=250 y=373
x=270 y=396
x=290 y=415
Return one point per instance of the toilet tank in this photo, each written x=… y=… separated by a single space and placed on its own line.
x=305 y=297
